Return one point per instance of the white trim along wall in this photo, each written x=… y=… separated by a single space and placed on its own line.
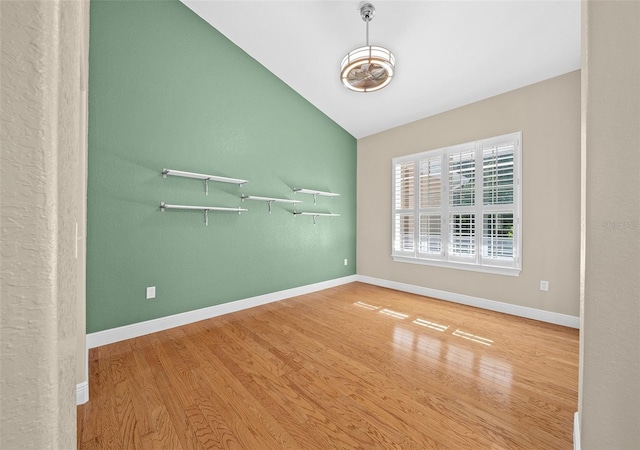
x=492 y=305
x=82 y=393
x=110 y=336
x=576 y=431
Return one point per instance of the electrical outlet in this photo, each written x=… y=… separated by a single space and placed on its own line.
x=346 y=261
x=544 y=285
x=151 y=292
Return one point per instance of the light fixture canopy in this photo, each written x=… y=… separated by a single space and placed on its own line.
x=368 y=68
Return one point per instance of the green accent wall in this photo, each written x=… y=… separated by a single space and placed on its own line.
x=166 y=90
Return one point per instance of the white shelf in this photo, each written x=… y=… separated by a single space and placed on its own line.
x=315 y=193
x=269 y=200
x=315 y=215
x=206 y=209
x=202 y=176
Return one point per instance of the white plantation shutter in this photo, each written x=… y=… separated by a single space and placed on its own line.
x=430 y=182
x=462 y=236
x=500 y=214
x=430 y=195
x=462 y=200
x=460 y=206
x=404 y=205
x=430 y=234
x=497 y=175
x=462 y=178
x=497 y=236
x=404 y=238
x=404 y=189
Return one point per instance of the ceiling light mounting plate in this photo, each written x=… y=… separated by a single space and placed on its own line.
x=367 y=11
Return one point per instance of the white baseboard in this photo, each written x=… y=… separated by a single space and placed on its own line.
x=82 y=389
x=492 y=305
x=82 y=393
x=112 y=335
x=576 y=431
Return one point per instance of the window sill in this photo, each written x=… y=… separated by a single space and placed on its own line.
x=508 y=271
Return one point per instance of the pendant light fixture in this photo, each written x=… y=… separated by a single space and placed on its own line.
x=368 y=68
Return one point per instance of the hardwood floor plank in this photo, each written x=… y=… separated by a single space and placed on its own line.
x=220 y=384
x=356 y=366
x=110 y=422
x=281 y=400
x=175 y=389
x=336 y=380
x=159 y=431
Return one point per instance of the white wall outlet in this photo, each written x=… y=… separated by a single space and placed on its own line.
x=151 y=292
x=346 y=261
x=544 y=285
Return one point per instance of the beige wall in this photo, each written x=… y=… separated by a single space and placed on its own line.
x=548 y=114
x=42 y=181
x=610 y=337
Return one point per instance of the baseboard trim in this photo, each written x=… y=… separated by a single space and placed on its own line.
x=576 y=431
x=112 y=335
x=492 y=305
x=82 y=393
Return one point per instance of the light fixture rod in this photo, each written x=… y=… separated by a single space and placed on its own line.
x=367 y=11
x=367 y=33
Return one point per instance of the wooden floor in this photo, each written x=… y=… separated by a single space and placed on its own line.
x=353 y=367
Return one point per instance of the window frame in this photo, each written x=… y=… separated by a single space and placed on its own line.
x=493 y=213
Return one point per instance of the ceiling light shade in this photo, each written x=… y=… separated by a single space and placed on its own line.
x=368 y=68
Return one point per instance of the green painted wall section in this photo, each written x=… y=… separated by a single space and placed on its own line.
x=168 y=90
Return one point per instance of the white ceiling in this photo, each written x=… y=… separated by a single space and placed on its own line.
x=448 y=53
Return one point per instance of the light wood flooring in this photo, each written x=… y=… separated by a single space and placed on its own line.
x=352 y=367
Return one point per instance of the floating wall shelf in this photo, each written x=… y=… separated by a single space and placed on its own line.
x=315 y=215
x=269 y=200
x=202 y=176
x=315 y=193
x=206 y=209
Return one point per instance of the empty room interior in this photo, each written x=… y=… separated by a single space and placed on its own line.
x=320 y=224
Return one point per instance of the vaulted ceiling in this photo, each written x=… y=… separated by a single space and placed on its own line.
x=448 y=53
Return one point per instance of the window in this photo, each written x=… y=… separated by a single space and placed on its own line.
x=460 y=206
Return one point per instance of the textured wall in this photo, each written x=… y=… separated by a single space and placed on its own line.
x=168 y=90
x=548 y=114
x=610 y=350
x=41 y=201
